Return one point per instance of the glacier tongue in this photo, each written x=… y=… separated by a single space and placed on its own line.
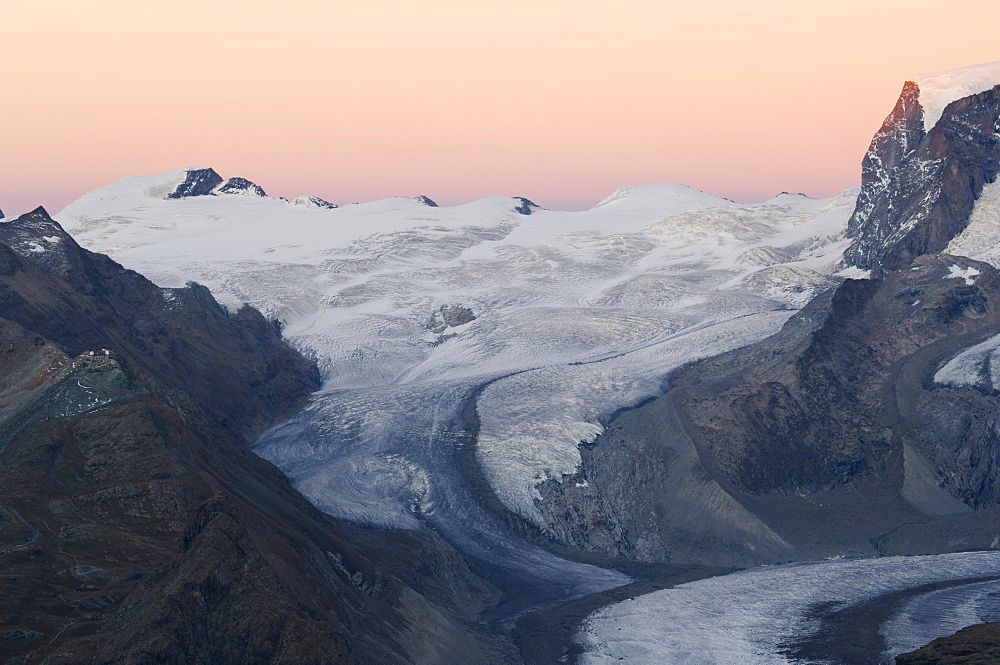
x=575 y=315
x=766 y=610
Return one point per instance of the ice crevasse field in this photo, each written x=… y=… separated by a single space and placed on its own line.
x=569 y=315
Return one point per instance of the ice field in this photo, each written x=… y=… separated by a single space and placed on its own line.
x=577 y=314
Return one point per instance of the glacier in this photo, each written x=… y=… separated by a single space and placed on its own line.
x=980 y=239
x=767 y=610
x=577 y=314
x=571 y=317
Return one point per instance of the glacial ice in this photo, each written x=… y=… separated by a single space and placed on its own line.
x=766 y=610
x=977 y=367
x=939 y=89
x=980 y=239
x=578 y=314
x=929 y=616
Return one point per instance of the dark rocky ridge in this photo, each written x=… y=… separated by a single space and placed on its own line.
x=206 y=182
x=197 y=182
x=975 y=645
x=525 y=206
x=918 y=189
x=135 y=526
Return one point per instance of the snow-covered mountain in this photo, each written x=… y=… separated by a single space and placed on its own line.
x=867 y=426
x=573 y=314
x=470 y=353
x=467 y=351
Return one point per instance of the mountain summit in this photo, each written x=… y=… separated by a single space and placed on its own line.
x=926 y=167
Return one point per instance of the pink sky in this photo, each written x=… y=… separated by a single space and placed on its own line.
x=561 y=102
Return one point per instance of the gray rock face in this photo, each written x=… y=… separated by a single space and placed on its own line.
x=918 y=188
x=198 y=182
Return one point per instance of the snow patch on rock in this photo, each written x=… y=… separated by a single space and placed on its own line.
x=968 y=274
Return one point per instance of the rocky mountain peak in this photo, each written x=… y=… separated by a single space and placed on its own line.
x=425 y=200
x=38 y=237
x=525 y=206
x=206 y=182
x=919 y=187
x=197 y=182
x=239 y=187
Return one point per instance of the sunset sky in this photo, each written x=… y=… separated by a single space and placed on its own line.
x=561 y=102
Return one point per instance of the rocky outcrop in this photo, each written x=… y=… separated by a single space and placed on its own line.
x=918 y=188
x=524 y=206
x=313 y=202
x=206 y=182
x=197 y=182
x=239 y=187
x=450 y=316
x=136 y=526
x=975 y=645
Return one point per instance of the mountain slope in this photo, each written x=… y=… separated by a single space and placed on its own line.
x=869 y=425
x=136 y=526
x=926 y=168
x=835 y=413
